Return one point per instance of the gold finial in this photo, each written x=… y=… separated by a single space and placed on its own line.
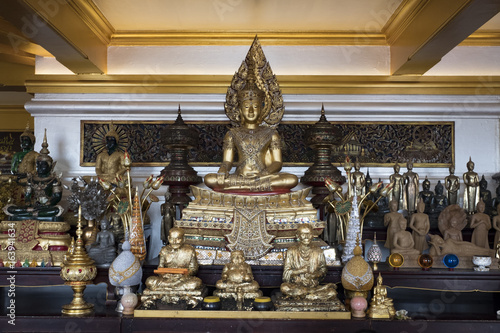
x=179 y=111
x=44 y=153
x=27 y=132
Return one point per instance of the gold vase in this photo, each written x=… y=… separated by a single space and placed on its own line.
x=78 y=271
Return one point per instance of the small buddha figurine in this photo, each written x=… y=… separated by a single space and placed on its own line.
x=368 y=185
x=420 y=225
x=116 y=227
x=237 y=278
x=481 y=224
x=358 y=180
x=398 y=190
x=110 y=161
x=381 y=306
x=402 y=242
x=43 y=191
x=174 y=286
x=167 y=218
x=304 y=268
x=440 y=201
x=253 y=138
x=485 y=195
x=452 y=221
x=103 y=251
x=471 y=193
x=427 y=195
x=452 y=184
x=393 y=221
x=24 y=162
x=411 y=185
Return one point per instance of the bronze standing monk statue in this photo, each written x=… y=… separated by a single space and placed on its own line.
x=255 y=108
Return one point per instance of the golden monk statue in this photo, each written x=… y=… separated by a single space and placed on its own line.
x=237 y=278
x=177 y=284
x=304 y=268
x=381 y=306
x=398 y=191
x=255 y=108
x=109 y=162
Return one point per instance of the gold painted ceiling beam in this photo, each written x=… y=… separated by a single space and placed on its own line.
x=290 y=84
x=61 y=28
x=424 y=31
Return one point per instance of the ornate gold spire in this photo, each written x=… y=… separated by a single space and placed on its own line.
x=255 y=78
x=44 y=153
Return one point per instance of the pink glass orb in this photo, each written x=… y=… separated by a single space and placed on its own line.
x=358 y=306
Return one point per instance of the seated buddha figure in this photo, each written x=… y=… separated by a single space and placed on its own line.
x=304 y=268
x=24 y=162
x=381 y=306
x=109 y=162
x=237 y=278
x=103 y=250
x=173 y=286
x=257 y=145
x=43 y=191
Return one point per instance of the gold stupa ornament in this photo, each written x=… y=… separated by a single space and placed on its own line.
x=78 y=270
x=357 y=275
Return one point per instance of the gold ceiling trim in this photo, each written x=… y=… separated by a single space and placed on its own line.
x=290 y=84
x=486 y=38
x=94 y=18
x=142 y=38
x=401 y=18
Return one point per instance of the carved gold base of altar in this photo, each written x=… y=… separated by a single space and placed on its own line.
x=229 y=295
x=34 y=240
x=149 y=298
x=286 y=304
x=78 y=306
x=262 y=226
x=258 y=315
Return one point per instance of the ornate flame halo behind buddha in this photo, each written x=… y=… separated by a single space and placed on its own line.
x=254 y=105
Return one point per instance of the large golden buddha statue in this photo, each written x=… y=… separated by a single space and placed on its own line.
x=250 y=208
x=255 y=107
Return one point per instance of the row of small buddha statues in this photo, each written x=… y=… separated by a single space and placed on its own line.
x=304 y=269
x=406 y=190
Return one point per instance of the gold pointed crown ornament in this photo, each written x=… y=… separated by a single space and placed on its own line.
x=255 y=78
x=28 y=133
x=44 y=153
x=78 y=271
x=357 y=275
